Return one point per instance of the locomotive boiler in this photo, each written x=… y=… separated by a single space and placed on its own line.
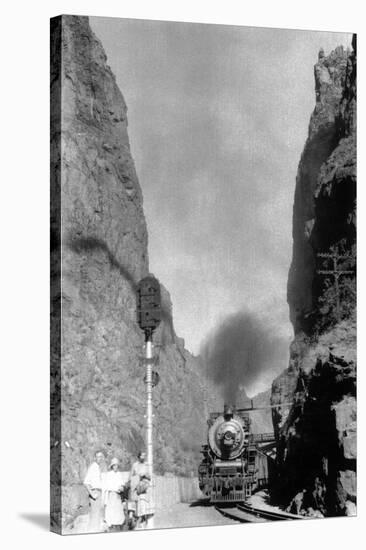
x=233 y=465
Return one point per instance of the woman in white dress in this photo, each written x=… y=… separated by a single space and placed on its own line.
x=113 y=487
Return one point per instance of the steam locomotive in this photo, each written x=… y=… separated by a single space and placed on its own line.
x=234 y=461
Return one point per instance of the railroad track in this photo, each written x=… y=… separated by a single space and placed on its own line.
x=233 y=512
x=245 y=513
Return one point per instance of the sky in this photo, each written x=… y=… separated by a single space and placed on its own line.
x=217 y=120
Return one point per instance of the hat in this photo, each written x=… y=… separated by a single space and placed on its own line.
x=113 y=462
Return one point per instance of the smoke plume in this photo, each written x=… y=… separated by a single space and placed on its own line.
x=241 y=350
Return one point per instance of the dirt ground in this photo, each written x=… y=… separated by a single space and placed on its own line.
x=189 y=515
x=177 y=515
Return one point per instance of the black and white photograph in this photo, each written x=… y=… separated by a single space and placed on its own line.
x=203 y=274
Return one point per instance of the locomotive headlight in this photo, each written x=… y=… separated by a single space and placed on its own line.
x=228 y=436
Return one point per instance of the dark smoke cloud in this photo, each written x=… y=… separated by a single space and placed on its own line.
x=241 y=350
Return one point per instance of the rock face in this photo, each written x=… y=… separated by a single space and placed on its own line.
x=99 y=246
x=315 y=423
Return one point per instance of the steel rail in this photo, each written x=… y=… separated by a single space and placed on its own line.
x=268 y=514
x=245 y=513
x=237 y=515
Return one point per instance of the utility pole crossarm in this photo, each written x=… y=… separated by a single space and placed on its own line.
x=331 y=272
x=335 y=255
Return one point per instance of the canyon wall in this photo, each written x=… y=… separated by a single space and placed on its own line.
x=99 y=252
x=315 y=422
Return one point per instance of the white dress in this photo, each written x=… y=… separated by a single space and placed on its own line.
x=144 y=504
x=114 y=511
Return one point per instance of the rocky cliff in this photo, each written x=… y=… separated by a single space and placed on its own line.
x=99 y=246
x=315 y=423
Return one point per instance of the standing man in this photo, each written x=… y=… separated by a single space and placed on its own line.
x=93 y=483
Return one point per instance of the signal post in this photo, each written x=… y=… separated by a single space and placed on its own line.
x=149 y=317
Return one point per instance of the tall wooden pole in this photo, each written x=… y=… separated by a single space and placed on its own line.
x=336 y=284
x=336 y=273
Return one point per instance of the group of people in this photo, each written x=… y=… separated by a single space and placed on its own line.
x=310 y=502
x=117 y=501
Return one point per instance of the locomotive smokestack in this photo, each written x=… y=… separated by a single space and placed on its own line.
x=228 y=410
